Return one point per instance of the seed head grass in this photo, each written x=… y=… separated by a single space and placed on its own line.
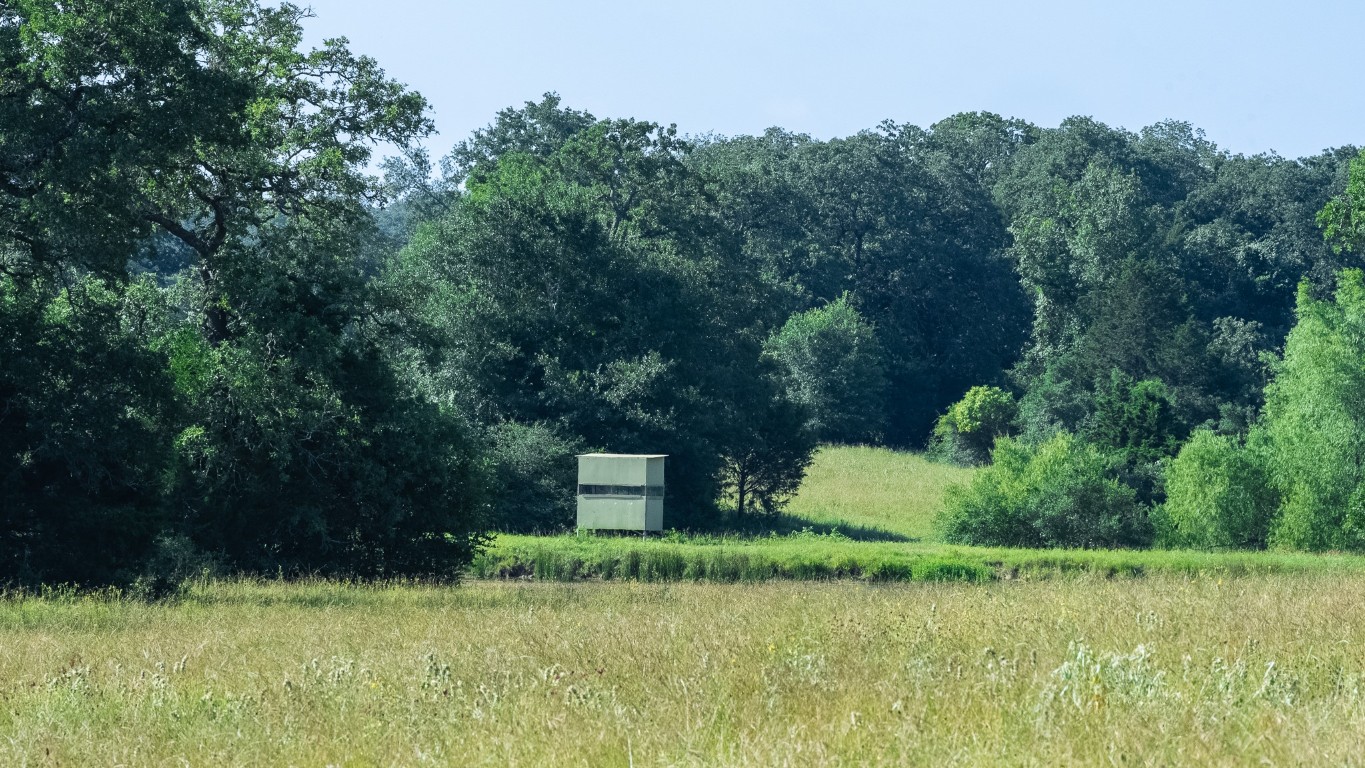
x=1159 y=671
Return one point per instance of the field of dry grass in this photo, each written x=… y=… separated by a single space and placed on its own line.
x=1156 y=671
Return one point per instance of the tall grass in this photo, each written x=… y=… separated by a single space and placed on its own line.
x=1259 y=670
x=809 y=556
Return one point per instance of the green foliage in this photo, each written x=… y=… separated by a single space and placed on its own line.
x=213 y=337
x=1218 y=496
x=1313 y=427
x=325 y=466
x=1163 y=257
x=1061 y=493
x=766 y=456
x=535 y=476
x=251 y=407
x=1136 y=419
x=591 y=289
x=1343 y=218
x=85 y=412
x=966 y=433
x=899 y=217
x=831 y=364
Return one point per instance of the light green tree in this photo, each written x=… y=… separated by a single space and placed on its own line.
x=831 y=364
x=1313 y=426
x=966 y=433
x=1343 y=218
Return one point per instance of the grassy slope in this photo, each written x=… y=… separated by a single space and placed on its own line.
x=875 y=488
x=887 y=500
x=1261 y=670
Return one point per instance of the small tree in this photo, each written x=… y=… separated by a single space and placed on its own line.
x=831 y=364
x=968 y=430
x=1218 y=496
x=769 y=458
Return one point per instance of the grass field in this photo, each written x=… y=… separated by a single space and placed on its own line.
x=1158 y=671
x=863 y=513
x=862 y=488
x=856 y=640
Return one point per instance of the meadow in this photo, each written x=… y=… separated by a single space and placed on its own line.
x=806 y=646
x=1155 y=671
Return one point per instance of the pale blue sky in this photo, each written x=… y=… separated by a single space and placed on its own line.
x=1255 y=75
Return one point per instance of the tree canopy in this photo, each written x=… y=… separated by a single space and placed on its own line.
x=225 y=339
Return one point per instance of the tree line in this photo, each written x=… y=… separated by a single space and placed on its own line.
x=224 y=340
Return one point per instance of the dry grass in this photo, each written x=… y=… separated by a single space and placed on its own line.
x=1159 y=671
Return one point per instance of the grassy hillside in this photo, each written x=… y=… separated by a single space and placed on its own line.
x=1163 y=671
x=875 y=488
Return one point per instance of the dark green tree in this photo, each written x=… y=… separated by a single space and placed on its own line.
x=203 y=122
x=595 y=290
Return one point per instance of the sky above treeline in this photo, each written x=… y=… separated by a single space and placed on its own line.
x=1256 y=75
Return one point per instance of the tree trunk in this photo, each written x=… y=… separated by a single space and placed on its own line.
x=741 y=487
x=215 y=314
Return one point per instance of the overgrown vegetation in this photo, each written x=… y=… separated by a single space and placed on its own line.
x=1174 y=670
x=868 y=514
x=1060 y=493
x=224 y=342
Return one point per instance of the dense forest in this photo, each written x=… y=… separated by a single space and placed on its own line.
x=224 y=338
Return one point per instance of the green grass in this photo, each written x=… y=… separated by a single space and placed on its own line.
x=875 y=488
x=820 y=557
x=870 y=514
x=817 y=649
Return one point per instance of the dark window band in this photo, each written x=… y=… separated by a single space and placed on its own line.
x=647 y=491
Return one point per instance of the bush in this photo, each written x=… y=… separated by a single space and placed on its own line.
x=1218 y=496
x=967 y=431
x=1061 y=493
x=1136 y=419
x=85 y=412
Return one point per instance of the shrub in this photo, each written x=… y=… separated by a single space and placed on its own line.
x=1218 y=496
x=1136 y=419
x=1061 y=493
x=965 y=433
